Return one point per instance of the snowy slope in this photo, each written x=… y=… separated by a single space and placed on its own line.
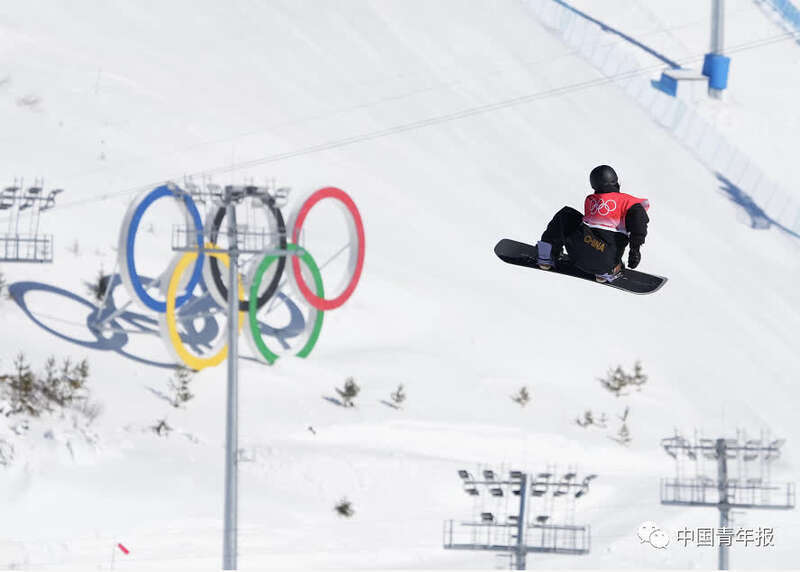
x=137 y=93
x=760 y=116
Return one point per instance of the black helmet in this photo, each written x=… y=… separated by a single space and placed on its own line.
x=604 y=179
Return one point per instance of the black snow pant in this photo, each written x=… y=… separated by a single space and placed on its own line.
x=596 y=251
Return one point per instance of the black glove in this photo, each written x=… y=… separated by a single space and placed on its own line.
x=634 y=257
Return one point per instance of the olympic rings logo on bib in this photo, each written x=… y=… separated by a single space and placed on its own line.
x=192 y=290
x=602 y=207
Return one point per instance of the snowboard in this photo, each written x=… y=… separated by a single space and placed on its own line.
x=632 y=281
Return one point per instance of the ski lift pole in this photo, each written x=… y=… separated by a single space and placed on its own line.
x=717 y=39
x=724 y=504
x=231 y=425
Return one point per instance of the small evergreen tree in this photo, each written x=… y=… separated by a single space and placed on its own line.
x=161 y=428
x=349 y=392
x=617 y=379
x=522 y=397
x=97 y=288
x=399 y=396
x=54 y=386
x=23 y=395
x=75 y=376
x=179 y=386
x=614 y=381
x=66 y=385
x=344 y=508
x=638 y=379
x=588 y=419
x=623 y=435
x=60 y=387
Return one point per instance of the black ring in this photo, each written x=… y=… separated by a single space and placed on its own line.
x=216 y=273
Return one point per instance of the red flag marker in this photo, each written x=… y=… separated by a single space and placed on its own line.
x=121 y=547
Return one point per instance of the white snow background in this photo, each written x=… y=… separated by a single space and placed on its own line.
x=124 y=95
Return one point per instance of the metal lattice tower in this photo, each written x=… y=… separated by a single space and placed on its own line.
x=21 y=241
x=724 y=491
x=525 y=526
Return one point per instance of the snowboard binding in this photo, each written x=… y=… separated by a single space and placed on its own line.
x=544 y=255
x=611 y=276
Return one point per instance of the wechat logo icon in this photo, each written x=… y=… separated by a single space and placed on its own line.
x=652 y=534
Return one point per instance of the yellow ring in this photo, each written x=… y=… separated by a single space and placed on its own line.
x=191 y=360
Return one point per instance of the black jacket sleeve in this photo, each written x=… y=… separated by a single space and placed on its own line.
x=636 y=220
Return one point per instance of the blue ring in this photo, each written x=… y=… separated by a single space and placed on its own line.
x=147 y=300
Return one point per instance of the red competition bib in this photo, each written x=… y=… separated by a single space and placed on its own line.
x=608 y=210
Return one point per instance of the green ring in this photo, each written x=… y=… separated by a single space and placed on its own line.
x=268 y=354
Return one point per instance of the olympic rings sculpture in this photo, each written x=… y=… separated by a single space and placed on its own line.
x=193 y=284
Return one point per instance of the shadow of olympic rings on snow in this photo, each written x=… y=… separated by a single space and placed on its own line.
x=114 y=340
x=199 y=337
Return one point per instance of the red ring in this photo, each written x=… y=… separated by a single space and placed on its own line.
x=308 y=294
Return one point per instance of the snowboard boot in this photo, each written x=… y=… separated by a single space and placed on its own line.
x=544 y=255
x=611 y=276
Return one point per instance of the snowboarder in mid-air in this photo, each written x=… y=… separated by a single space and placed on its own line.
x=596 y=239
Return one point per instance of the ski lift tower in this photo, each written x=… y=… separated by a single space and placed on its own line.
x=518 y=530
x=21 y=241
x=749 y=489
x=240 y=240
